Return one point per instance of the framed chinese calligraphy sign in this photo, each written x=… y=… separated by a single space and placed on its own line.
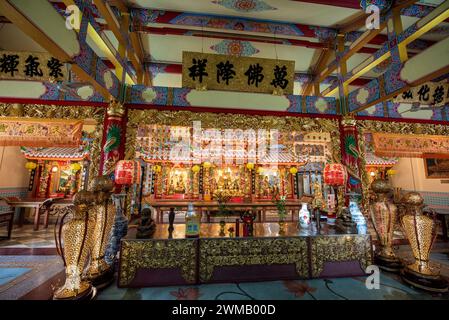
x=31 y=66
x=430 y=93
x=203 y=71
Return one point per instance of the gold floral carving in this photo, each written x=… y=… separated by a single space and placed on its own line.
x=155 y=254
x=63 y=112
x=252 y=251
x=369 y=126
x=338 y=249
x=138 y=117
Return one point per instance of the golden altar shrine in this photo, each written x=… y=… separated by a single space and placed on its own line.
x=171 y=259
x=182 y=163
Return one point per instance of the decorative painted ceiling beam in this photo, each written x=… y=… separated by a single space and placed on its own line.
x=402 y=77
x=412 y=33
x=144 y=77
x=64 y=45
x=149 y=17
x=227 y=101
x=120 y=34
x=355 y=47
x=416 y=10
x=323 y=59
x=95 y=32
x=359 y=21
x=233 y=36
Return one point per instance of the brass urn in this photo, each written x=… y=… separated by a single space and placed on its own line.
x=99 y=271
x=383 y=214
x=420 y=229
x=78 y=237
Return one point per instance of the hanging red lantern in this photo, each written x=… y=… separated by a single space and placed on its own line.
x=335 y=174
x=127 y=172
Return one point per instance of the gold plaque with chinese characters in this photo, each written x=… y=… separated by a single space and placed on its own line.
x=204 y=71
x=31 y=66
x=429 y=93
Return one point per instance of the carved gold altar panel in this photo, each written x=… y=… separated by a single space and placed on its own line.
x=40 y=133
x=156 y=254
x=231 y=73
x=398 y=145
x=252 y=251
x=214 y=258
x=339 y=249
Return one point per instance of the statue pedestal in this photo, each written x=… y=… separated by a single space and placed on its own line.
x=103 y=280
x=391 y=264
x=432 y=283
x=90 y=294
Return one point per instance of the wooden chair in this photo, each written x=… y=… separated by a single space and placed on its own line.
x=6 y=219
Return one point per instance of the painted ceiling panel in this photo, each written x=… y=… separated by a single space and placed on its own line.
x=169 y=49
x=277 y=10
x=12 y=38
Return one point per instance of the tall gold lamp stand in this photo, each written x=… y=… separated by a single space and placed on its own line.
x=420 y=228
x=383 y=214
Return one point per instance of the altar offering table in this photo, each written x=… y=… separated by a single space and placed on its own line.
x=172 y=259
x=40 y=206
x=260 y=207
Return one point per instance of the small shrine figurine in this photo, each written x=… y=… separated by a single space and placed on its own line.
x=344 y=222
x=248 y=218
x=318 y=203
x=147 y=226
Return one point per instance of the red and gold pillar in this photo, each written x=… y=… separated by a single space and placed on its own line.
x=114 y=134
x=351 y=154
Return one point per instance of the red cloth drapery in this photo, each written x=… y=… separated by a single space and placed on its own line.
x=32 y=132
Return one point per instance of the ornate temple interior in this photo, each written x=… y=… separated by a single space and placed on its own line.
x=216 y=150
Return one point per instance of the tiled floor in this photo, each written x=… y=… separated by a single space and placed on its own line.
x=25 y=273
x=351 y=288
x=26 y=237
x=35 y=276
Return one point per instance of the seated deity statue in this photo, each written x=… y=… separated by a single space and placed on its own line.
x=220 y=183
x=147 y=226
x=180 y=186
x=318 y=199
x=265 y=187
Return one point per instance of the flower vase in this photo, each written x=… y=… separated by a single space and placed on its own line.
x=304 y=216
x=358 y=217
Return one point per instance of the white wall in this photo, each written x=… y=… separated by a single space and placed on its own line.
x=411 y=175
x=12 y=168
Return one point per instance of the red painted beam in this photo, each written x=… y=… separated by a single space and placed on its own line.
x=352 y=4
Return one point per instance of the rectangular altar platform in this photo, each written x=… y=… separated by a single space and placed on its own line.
x=171 y=259
x=205 y=207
